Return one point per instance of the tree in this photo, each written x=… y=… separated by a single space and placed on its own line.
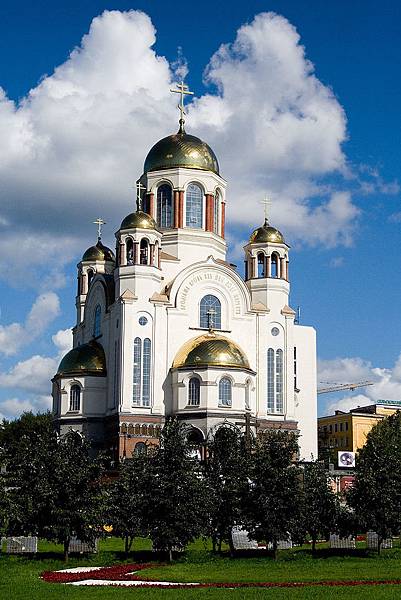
x=320 y=504
x=376 y=493
x=175 y=499
x=125 y=499
x=226 y=471
x=54 y=484
x=272 y=502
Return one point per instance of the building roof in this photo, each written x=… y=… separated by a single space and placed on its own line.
x=138 y=220
x=211 y=350
x=98 y=252
x=265 y=234
x=86 y=359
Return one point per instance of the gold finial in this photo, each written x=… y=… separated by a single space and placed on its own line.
x=99 y=222
x=183 y=90
x=267 y=204
x=139 y=187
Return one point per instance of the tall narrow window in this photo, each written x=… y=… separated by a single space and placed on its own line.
x=137 y=378
x=115 y=375
x=216 y=213
x=142 y=372
x=279 y=381
x=97 y=321
x=194 y=206
x=75 y=398
x=225 y=392
x=261 y=265
x=270 y=380
x=146 y=372
x=144 y=252
x=164 y=206
x=194 y=392
x=274 y=265
x=210 y=312
x=275 y=381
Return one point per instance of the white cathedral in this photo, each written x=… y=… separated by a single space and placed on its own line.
x=167 y=326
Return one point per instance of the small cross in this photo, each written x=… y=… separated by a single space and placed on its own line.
x=183 y=90
x=267 y=204
x=99 y=222
x=210 y=314
x=139 y=188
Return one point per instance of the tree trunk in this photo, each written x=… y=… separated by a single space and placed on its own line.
x=379 y=544
x=274 y=549
x=126 y=547
x=170 y=555
x=231 y=544
x=219 y=545
x=313 y=545
x=66 y=549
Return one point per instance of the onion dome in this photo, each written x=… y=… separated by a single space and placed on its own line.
x=99 y=252
x=138 y=220
x=266 y=233
x=181 y=150
x=86 y=359
x=211 y=350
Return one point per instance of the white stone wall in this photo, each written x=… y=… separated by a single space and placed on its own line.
x=306 y=398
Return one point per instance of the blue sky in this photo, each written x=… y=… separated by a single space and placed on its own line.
x=345 y=268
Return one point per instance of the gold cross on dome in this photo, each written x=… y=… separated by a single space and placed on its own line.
x=99 y=222
x=139 y=188
x=267 y=204
x=183 y=90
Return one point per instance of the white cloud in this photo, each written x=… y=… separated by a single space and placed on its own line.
x=387 y=382
x=81 y=135
x=15 y=336
x=33 y=377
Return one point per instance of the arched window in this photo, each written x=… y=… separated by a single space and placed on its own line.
x=141 y=372
x=194 y=392
x=129 y=245
x=194 y=206
x=225 y=392
x=75 y=398
x=144 y=252
x=210 y=312
x=274 y=265
x=275 y=381
x=97 y=321
x=90 y=276
x=216 y=213
x=140 y=448
x=144 y=430
x=164 y=206
x=137 y=429
x=261 y=265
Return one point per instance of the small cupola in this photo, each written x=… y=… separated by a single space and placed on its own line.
x=97 y=259
x=266 y=254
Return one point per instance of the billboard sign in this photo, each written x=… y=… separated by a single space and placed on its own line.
x=346 y=459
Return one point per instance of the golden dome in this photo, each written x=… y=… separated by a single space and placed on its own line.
x=211 y=350
x=138 y=220
x=181 y=150
x=98 y=252
x=266 y=233
x=86 y=359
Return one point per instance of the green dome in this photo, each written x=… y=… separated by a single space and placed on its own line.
x=266 y=233
x=86 y=359
x=138 y=220
x=98 y=252
x=181 y=150
x=211 y=350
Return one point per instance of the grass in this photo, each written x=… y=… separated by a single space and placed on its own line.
x=20 y=576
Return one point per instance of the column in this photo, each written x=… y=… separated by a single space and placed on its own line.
x=181 y=210
x=84 y=283
x=176 y=209
x=151 y=204
x=269 y=267
x=136 y=253
x=152 y=254
x=209 y=212
x=286 y=270
x=282 y=268
x=223 y=218
x=123 y=254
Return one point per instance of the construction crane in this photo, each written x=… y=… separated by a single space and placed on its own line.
x=337 y=387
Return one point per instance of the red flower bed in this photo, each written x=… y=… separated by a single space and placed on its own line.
x=125 y=573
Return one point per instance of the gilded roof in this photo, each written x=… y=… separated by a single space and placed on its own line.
x=138 y=220
x=266 y=233
x=211 y=350
x=98 y=252
x=86 y=359
x=181 y=150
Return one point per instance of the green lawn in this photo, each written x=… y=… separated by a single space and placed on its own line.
x=20 y=576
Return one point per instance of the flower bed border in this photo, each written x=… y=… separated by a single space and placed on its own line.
x=128 y=572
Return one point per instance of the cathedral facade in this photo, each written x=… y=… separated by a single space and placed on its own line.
x=167 y=326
